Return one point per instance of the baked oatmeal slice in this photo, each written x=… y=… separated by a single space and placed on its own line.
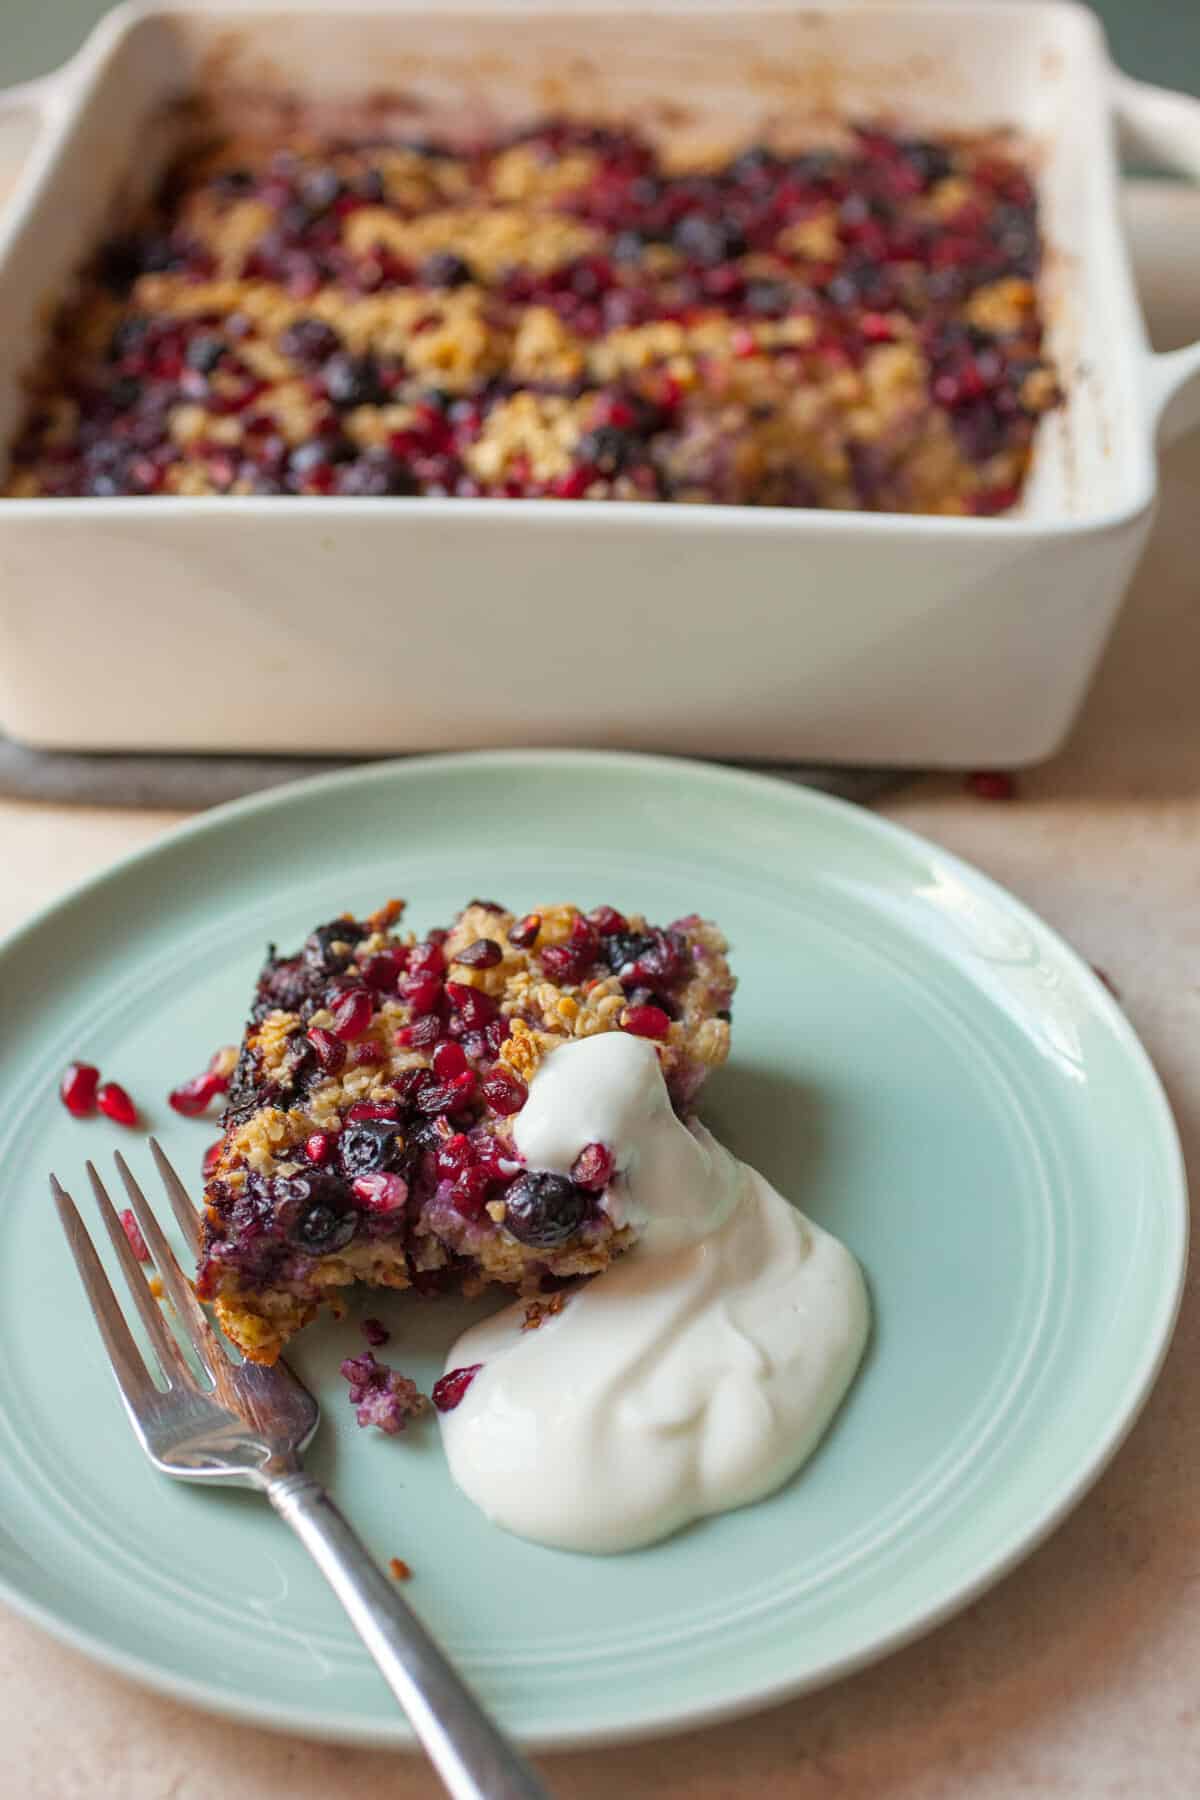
x=369 y=1131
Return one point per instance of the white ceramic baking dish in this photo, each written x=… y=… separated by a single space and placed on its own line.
x=298 y=625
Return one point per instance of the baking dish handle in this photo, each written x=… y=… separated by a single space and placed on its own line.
x=25 y=112
x=1161 y=126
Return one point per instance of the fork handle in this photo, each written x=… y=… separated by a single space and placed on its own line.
x=473 y=1758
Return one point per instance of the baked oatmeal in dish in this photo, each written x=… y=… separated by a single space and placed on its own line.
x=558 y=312
x=369 y=1131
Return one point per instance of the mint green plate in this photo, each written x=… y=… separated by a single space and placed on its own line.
x=917 y=1061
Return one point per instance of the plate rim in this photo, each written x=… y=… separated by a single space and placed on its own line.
x=673 y=1719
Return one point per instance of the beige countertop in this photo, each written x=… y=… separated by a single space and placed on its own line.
x=1077 y=1676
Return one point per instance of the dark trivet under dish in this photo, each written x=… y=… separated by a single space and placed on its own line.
x=189 y=783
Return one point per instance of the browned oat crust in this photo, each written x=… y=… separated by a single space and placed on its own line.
x=559 y=313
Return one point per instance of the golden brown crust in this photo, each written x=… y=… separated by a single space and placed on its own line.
x=788 y=336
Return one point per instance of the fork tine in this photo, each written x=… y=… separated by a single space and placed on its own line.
x=170 y=1357
x=133 y=1378
x=187 y=1218
x=179 y=1289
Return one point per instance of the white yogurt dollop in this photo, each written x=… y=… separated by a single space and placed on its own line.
x=697 y=1373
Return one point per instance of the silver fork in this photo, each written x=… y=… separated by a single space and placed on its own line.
x=248 y=1424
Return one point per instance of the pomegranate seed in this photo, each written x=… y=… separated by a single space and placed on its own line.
x=368 y=1055
x=410 y=1082
x=192 y=1097
x=212 y=1157
x=524 y=932
x=382 y=973
x=454 y=1156
x=78 y=1089
x=319 y=1147
x=449 y=1059
x=419 y=1036
x=469 y=1192
x=475 y=1044
x=449 y=1389
x=474 y=1008
x=133 y=1232
x=374 y=1109
x=497 y=1034
x=606 y=920
x=876 y=328
x=331 y=1052
x=593 y=1167
x=560 y=961
x=427 y=958
x=446 y=1096
x=990 y=501
x=375 y=1332
x=422 y=992
x=490 y=1156
x=612 y=410
x=570 y=961
x=504 y=1092
x=992 y=784
x=645 y=1021
x=484 y=953
x=115 y=1104
x=381 y=1192
x=352 y=1015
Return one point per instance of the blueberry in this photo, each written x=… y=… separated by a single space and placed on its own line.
x=119 y=263
x=628 y=246
x=377 y=474
x=706 y=240
x=541 y=1209
x=283 y=983
x=624 y=947
x=312 y=1211
x=352 y=380
x=319 y=189
x=930 y=163
x=606 y=448
x=233 y=183
x=319 y=954
x=318 y=453
x=855 y=209
x=1015 y=233
x=124 y=393
x=129 y=337
x=294 y=219
x=369 y=1147
x=813 y=165
x=444 y=269
x=660 y=958
x=754 y=164
x=844 y=290
x=768 y=299
x=204 y=353
x=160 y=255
x=309 y=342
x=645 y=190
